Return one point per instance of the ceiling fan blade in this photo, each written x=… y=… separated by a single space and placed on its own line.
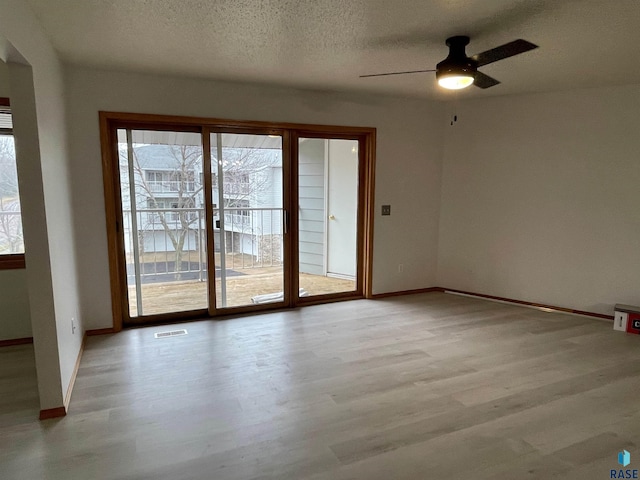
x=484 y=81
x=395 y=73
x=504 y=51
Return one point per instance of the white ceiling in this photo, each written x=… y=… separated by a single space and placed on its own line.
x=326 y=44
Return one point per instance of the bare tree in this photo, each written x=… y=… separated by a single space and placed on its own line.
x=246 y=184
x=11 y=238
x=178 y=176
x=168 y=181
x=244 y=174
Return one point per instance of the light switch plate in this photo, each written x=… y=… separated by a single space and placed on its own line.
x=386 y=209
x=620 y=321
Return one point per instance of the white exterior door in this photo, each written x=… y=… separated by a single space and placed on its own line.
x=342 y=201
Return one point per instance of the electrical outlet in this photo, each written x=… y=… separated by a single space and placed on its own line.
x=73 y=325
x=386 y=209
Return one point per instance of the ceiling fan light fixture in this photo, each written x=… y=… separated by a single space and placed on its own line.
x=456 y=82
x=457 y=71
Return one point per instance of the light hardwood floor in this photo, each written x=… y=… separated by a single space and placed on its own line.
x=19 y=401
x=430 y=386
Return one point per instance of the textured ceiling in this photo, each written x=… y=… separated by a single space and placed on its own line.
x=326 y=44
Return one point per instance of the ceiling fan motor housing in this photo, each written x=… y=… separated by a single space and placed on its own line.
x=457 y=63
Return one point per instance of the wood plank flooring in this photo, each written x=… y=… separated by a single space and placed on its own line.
x=19 y=401
x=430 y=386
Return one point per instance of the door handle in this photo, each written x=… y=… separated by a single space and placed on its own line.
x=285 y=221
x=332 y=217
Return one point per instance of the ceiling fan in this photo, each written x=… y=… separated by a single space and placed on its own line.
x=459 y=71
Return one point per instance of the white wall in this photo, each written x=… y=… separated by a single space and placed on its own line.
x=541 y=199
x=14 y=305
x=5 y=91
x=409 y=140
x=37 y=93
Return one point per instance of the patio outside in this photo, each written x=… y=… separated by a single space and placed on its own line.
x=246 y=278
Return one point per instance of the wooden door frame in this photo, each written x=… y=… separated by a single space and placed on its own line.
x=214 y=310
x=364 y=228
x=110 y=122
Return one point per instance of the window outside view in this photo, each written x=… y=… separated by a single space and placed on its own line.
x=11 y=238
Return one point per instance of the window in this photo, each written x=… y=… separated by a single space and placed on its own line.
x=11 y=238
x=236 y=183
x=171 y=203
x=163 y=181
x=235 y=213
x=164 y=206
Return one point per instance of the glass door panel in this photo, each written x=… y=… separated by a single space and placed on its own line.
x=163 y=221
x=248 y=213
x=327 y=216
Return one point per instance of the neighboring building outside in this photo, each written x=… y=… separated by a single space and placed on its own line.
x=169 y=207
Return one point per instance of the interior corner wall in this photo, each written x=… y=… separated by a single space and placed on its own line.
x=540 y=199
x=34 y=225
x=43 y=170
x=60 y=222
x=409 y=135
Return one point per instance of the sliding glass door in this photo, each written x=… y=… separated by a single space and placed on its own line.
x=163 y=221
x=213 y=219
x=327 y=219
x=248 y=219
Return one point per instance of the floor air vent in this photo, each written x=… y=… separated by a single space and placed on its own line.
x=172 y=333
